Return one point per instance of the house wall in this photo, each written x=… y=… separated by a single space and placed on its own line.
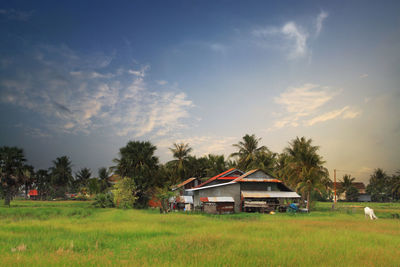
x=257 y=186
x=232 y=190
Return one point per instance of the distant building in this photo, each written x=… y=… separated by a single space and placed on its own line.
x=33 y=194
x=184 y=199
x=360 y=186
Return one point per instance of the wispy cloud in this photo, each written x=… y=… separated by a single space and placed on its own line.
x=303 y=104
x=298 y=37
x=19 y=15
x=345 y=113
x=290 y=37
x=76 y=95
x=319 y=22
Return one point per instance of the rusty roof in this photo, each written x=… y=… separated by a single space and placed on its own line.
x=183 y=183
x=269 y=194
x=244 y=178
x=217 y=199
x=222 y=176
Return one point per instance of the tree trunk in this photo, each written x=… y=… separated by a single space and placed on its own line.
x=7 y=198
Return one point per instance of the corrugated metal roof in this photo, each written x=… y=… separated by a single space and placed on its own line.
x=219 y=176
x=269 y=194
x=244 y=178
x=183 y=183
x=181 y=199
x=217 y=199
x=210 y=186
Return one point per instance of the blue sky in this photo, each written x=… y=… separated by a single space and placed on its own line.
x=81 y=79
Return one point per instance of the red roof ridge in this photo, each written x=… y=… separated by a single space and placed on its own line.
x=184 y=182
x=215 y=177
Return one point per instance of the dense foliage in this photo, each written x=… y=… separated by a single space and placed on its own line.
x=299 y=165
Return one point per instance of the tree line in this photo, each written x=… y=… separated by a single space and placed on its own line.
x=299 y=166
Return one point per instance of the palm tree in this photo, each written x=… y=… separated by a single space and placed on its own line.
x=180 y=152
x=216 y=164
x=346 y=183
x=301 y=154
x=103 y=178
x=83 y=176
x=137 y=161
x=302 y=162
x=248 y=150
x=11 y=167
x=61 y=174
x=265 y=161
x=310 y=182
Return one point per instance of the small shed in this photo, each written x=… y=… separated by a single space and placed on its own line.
x=33 y=194
x=218 y=205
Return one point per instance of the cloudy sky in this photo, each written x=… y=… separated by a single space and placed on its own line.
x=82 y=79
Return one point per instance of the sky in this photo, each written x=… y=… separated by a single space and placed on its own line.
x=82 y=78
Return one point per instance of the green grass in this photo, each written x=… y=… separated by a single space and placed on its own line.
x=72 y=233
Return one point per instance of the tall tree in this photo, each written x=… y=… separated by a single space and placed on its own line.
x=61 y=174
x=82 y=176
x=346 y=183
x=11 y=171
x=310 y=181
x=181 y=153
x=265 y=161
x=379 y=186
x=43 y=183
x=302 y=160
x=216 y=164
x=137 y=161
x=103 y=179
x=248 y=150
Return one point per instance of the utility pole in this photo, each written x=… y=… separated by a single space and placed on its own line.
x=334 y=188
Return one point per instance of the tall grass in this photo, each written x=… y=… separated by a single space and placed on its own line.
x=71 y=233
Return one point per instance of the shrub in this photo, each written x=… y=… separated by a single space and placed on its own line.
x=124 y=193
x=103 y=201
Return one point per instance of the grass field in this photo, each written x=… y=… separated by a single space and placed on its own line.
x=39 y=233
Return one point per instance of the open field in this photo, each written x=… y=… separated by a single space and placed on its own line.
x=73 y=233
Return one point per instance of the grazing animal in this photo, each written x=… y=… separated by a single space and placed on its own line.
x=370 y=212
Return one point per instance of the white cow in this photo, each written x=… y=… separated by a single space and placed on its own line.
x=370 y=212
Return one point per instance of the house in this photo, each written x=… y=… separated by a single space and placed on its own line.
x=33 y=194
x=251 y=191
x=363 y=196
x=184 y=198
x=224 y=177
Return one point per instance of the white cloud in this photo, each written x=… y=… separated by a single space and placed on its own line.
x=345 y=113
x=216 y=47
x=298 y=37
x=302 y=104
x=364 y=75
x=73 y=96
x=319 y=21
x=305 y=99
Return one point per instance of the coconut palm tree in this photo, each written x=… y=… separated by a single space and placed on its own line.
x=346 y=183
x=11 y=170
x=137 y=161
x=248 y=150
x=83 y=176
x=310 y=182
x=103 y=179
x=216 y=164
x=61 y=174
x=180 y=152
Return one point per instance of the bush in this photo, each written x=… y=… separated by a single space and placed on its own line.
x=103 y=201
x=124 y=193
